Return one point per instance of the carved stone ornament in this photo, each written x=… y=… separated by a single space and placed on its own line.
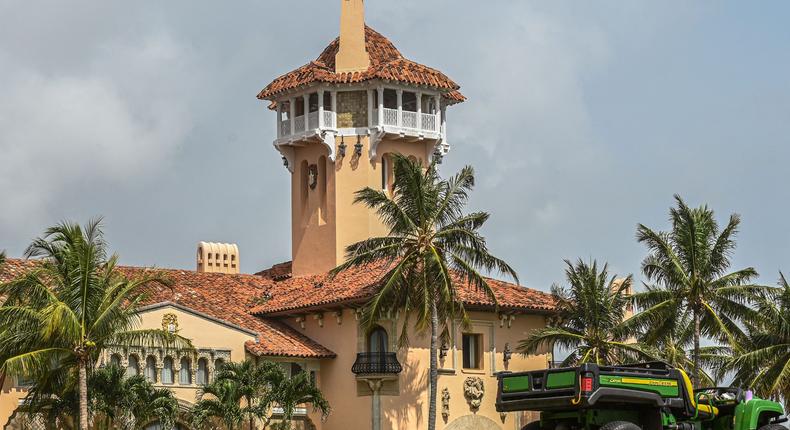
x=503 y=416
x=473 y=391
x=445 y=403
x=170 y=323
x=312 y=176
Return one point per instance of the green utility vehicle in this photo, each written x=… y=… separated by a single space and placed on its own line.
x=645 y=396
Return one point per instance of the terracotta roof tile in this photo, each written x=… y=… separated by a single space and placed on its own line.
x=358 y=285
x=386 y=63
x=221 y=296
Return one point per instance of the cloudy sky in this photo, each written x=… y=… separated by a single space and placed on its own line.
x=583 y=119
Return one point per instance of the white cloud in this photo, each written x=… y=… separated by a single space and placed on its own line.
x=116 y=121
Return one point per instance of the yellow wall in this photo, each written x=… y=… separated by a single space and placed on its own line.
x=319 y=239
x=9 y=399
x=408 y=409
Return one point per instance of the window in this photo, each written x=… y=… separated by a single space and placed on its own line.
x=202 y=372
x=115 y=360
x=167 y=371
x=133 y=367
x=296 y=369
x=218 y=364
x=409 y=101
x=390 y=98
x=473 y=351
x=150 y=369
x=185 y=372
x=377 y=340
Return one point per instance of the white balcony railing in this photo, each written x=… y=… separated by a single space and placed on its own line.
x=426 y=122
x=299 y=124
x=312 y=120
x=329 y=119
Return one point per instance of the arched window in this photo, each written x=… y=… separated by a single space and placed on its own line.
x=167 y=371
x=133 y=367
x=115 y=360
x=202 y=372
x=150 y=369
x=377 y=340
x=185 y=373
x=218 y=363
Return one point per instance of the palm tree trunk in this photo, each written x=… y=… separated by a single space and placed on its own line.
x=696 y=348
x=434 y=371
x=83 y=381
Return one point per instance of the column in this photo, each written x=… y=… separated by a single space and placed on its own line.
x=400 y=108
x=321 y=109
x=375 y=386
x=306 y=98
x=292 y=105
x=334 y=107
x=381 y=106
x=370 y=108
x=419 y=110
x=438 y=101
x=279 y=120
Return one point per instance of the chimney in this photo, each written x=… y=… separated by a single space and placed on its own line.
x=217 y=257
x=352 y=55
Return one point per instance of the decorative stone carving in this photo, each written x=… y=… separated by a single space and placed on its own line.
x=506 y=354
x=170 y=323
x=473 y=391
x=503 y=416
x=445 y=403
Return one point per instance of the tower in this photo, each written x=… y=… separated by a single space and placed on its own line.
x=339 y=119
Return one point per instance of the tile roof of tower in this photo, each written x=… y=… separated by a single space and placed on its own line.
x=358 y=285
x=224 y=297
x=386 y=63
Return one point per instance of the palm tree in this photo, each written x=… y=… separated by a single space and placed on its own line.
x=591 y=318
x=293 y=391
x=432 y=249
x=220 y=399
x=130 y=402
x=764 y=362
x=689 y=270
x=254 y=383
x=71 y=305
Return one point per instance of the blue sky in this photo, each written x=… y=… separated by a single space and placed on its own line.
x=583 y=119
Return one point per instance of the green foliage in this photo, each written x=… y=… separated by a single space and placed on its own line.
x=247 y=391
x=590 y=319
x=691 y=282
x=71 y=305
x=432 y=248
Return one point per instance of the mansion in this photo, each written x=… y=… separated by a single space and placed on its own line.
x=339 y=118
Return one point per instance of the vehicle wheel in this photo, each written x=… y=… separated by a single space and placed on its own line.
x=535 y=425
x=620 y=425
x=773 y=427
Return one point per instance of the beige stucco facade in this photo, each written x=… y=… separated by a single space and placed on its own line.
x=404 y=399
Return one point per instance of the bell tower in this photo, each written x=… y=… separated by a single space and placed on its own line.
x=339 y=120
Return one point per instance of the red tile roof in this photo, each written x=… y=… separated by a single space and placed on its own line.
x=358 y=285
x=386 y=63
x=221 y=296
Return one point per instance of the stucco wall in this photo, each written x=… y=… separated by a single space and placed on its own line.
x=319 y=241
x=408 y=408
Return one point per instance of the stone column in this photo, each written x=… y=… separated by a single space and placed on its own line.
x=279 y=120
x=375 y=386
x=321 y=109
x=381 y=106
x=292 y=113
x=438 y=102
x=370 y=108
x=306 y=98
x=400 y=108
x=419 y=110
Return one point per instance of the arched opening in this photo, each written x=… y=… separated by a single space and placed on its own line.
x=150 y=369
x=202 y=371
x=167 y=371
x=378 y=340
x=132 y=367
x=218 y=365
x=115 y=360
x=185 y=372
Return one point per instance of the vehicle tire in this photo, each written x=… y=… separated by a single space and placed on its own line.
x=535 y=425
x=773 y=427
x=620 y=425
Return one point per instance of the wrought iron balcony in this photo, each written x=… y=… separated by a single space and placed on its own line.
x=376 y=363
